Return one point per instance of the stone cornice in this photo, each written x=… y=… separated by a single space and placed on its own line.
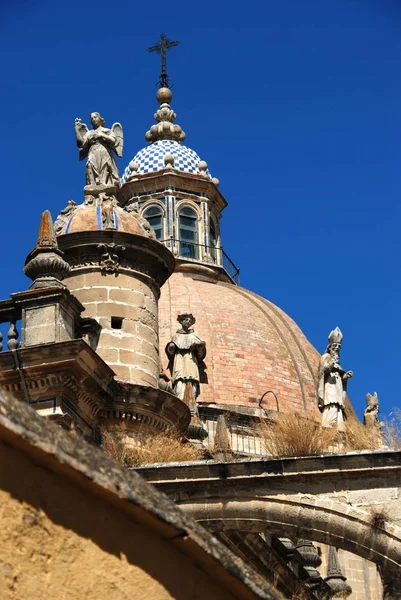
x=169 y=178
x=155 y=408
x=351 y=466
x=114 y=252
x=71 y=370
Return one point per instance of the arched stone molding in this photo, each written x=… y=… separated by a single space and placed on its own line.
x=159 y=204
x=329 y=499
x=153 y=202
x=187 y=203
x=328 y=522
x=191 y=204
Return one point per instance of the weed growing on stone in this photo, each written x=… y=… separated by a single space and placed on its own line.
x=359 y=437
x=379 y=516
x=145 y=448
x=293 y=435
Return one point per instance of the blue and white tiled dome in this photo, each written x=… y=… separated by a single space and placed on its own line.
x=151 y=158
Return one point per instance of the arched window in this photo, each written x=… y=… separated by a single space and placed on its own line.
x=188 y=230
x=154 y=215
x=212 y=240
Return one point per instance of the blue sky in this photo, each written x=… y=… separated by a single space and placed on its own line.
x=296 y=107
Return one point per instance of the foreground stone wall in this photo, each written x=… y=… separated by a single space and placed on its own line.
x=75 y=524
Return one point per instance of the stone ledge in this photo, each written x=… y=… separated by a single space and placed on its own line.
x=353 y=464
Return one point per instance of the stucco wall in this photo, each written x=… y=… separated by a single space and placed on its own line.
x=74 y=525
x=58 y=542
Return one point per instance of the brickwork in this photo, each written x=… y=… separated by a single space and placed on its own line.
x=252 y=346
x=126 y=308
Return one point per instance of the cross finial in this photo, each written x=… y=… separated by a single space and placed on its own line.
x=162 y=47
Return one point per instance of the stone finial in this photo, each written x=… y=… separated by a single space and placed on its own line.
x=169 y=161
x=335 y=579
x=165 y=117
x=202 y=166
x=46 y=236
x=45 y=265
x=133 y=167
x=222 y=444
x=216 y=181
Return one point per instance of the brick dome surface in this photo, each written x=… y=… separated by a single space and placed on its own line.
x=252 y=345
x=89 y=218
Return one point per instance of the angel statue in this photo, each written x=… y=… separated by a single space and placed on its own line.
x=98 y=145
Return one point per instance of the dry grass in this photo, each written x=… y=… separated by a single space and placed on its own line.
x=359 y=437
x=379 y=516
x=160 y=448
x=294 y=435
x=392 y=431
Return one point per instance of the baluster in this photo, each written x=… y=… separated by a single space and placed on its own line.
x=12 y=336
x=1 y=342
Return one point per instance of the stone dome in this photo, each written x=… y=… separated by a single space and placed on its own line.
x=151 y=158
x=252 y=345
x=88 y=217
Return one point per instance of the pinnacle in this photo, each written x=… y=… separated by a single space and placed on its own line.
x=165 y=117
x=47 y=236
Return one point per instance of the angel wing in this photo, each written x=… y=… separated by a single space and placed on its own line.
x=118 y=132
x=80 y=131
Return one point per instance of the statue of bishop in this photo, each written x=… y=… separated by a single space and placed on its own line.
x=332 y=387
x=186 y=351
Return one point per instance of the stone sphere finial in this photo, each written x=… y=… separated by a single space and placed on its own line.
x=216 y=181
x=133 y=166
x=165 y=117
x=164 y=95
x=202 y=166
x=169 y=160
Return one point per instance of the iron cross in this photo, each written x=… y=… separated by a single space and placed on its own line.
x=162 y=48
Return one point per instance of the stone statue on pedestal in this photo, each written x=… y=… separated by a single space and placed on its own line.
x=98 y=145
x=332 y=387
x=186 y=350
